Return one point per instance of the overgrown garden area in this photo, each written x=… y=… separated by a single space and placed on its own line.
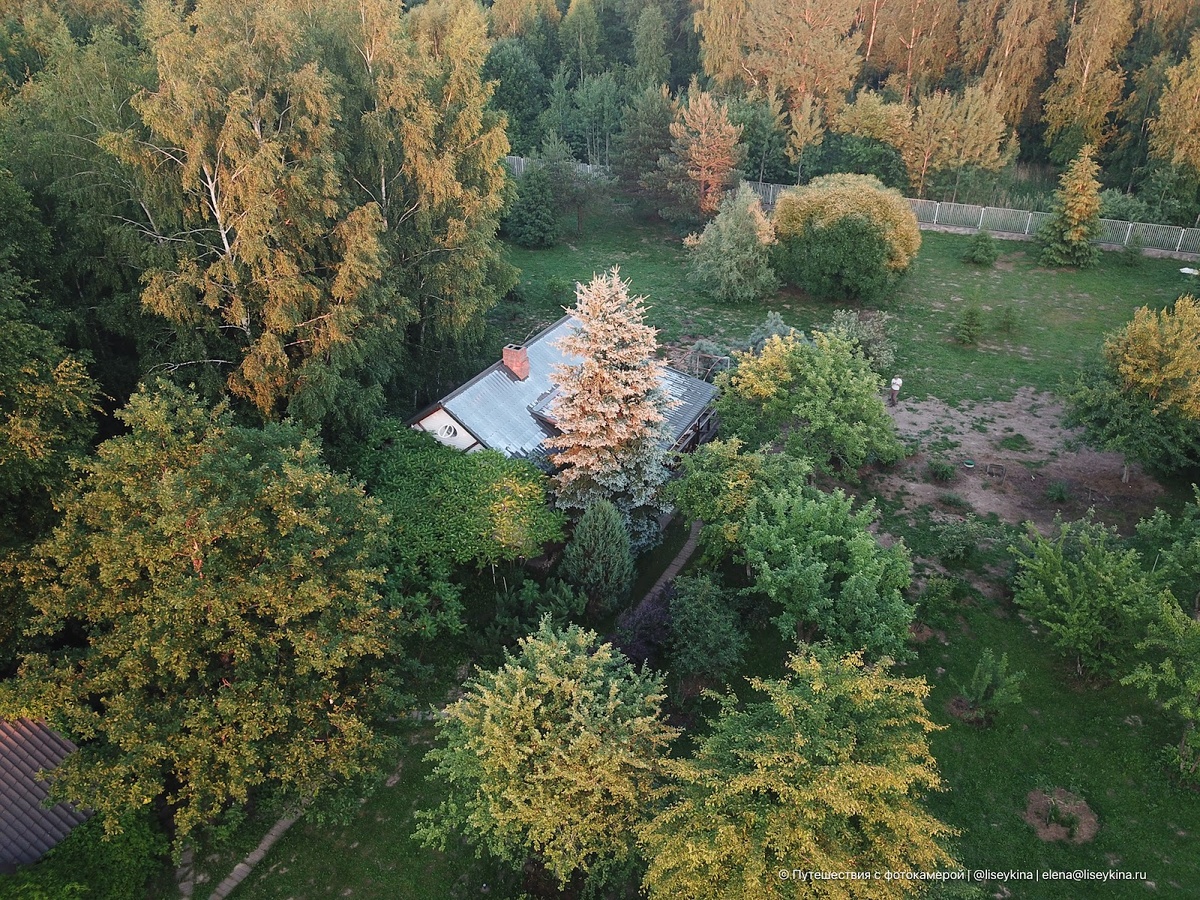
x=1098 y=739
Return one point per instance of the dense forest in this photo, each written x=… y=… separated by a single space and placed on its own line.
x=244 y=241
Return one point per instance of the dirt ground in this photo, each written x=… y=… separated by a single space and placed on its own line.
x=1042 y=470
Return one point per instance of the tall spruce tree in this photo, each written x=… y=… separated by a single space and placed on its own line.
x=610 y=407
x=598 y=559
x=1075 y=220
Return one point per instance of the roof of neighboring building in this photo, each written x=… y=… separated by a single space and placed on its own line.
x=27 y=828
x=510 y=415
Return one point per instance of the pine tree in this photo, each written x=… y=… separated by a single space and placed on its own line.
x=610 y=407
x=705 y=149
x=598 y=560
x=645 y=138
x=533 y=219
x=1067 y=236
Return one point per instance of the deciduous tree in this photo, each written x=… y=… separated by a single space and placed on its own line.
x=830 y=767
x=1175 y=132
x=554 y=757
x=1087 y=86
x=1093 y=597
x=450 y=511
x=812 y=554
x=651 y=64
x=1006 y=42
x=915 y=41
x=214 y=624
x=1175 y=680
x=819 y=397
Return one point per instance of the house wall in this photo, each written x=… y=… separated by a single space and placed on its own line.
x=439 y=420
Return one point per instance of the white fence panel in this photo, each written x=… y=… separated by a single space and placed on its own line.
x=1189 y=242
x=924 y=210
x=1005 y=221
x=1113 y=232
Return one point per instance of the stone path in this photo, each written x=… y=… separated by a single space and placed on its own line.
x=680 y=560
x=243 y=869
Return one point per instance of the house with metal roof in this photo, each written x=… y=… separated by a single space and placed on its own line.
x=28 y=829
x=506 y=407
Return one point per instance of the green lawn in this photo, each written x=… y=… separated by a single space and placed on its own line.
x=1102 y=743
x=1060 y=316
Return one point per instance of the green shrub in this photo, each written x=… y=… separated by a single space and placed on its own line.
x=88 y=866
x=706 y=636
x=1008 y=318
x=941 y=471
x=969 y=327
x=957 y=540
x=843 y=260
x=991 y=688
x=869 y=331
x=1058 y=492
x=982 y=250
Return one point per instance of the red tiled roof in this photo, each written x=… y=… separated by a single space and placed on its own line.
x=27 y=828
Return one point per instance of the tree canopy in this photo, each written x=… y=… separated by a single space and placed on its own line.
x=819 y=398
x=211 y=593
x=827 y=765
x=555 y=756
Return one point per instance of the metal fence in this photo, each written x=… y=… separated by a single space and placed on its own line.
x=1024 y=223
x=1012 y=222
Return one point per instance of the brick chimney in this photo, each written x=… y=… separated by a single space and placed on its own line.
x=516 y=360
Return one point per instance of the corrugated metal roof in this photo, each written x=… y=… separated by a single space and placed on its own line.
x=27 y=828
x=499 y=409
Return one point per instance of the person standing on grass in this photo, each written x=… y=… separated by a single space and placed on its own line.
x=896 y=383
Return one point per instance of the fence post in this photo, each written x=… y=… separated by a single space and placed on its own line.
x=936 y=210
x=982 y=210
x=1179 y=243
x=1128 y=232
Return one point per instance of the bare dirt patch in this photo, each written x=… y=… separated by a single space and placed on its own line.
x=1049 y=473
x=1061 y=816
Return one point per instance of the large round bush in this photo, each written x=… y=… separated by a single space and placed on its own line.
x=844 y=237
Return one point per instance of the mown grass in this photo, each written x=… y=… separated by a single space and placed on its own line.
x=1102 y=743
x=1040 y=325
x=375 y=856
